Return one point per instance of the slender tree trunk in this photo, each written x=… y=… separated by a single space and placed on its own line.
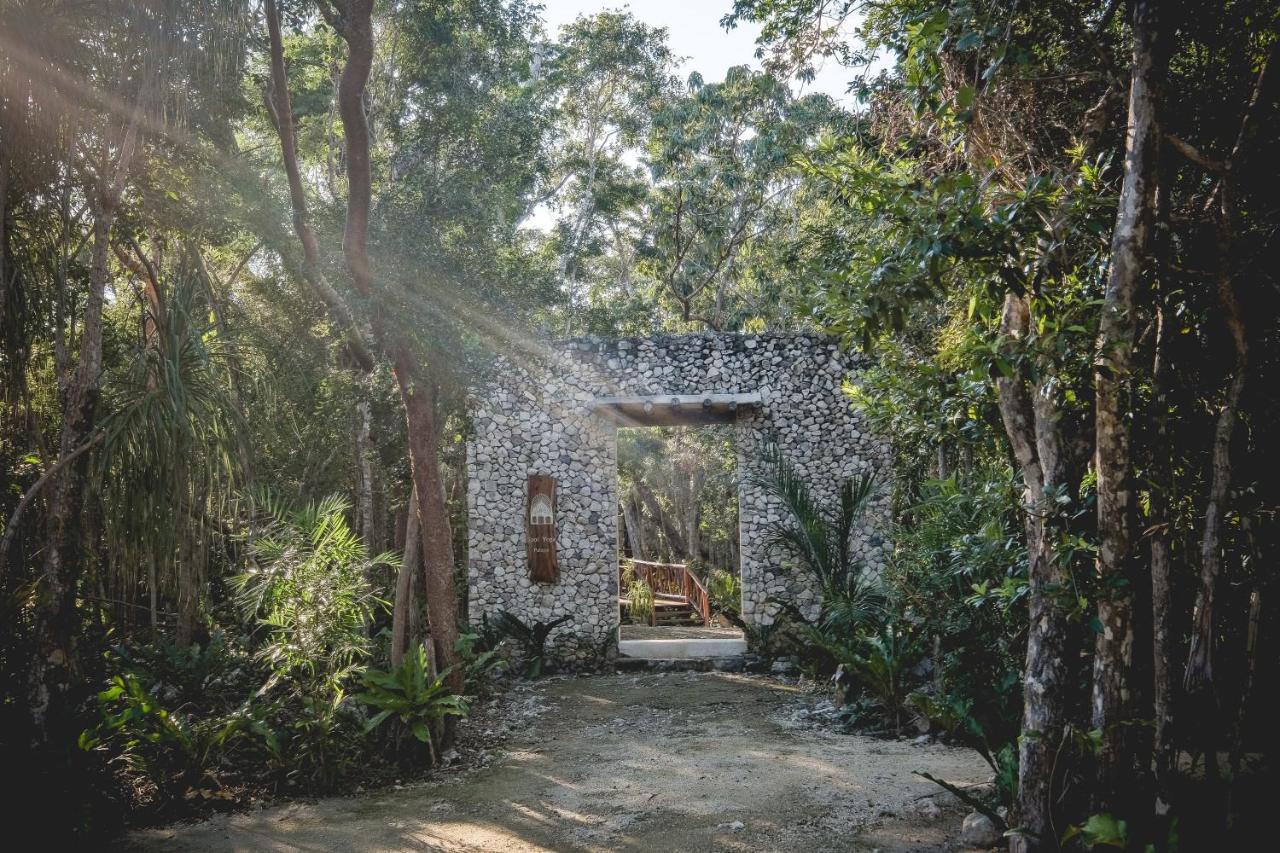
x=282 y=114
x=1033 y=427
x=1199 y=672
x=364 y=474
x=188 y=582
x=56 y=620
x=1117 y=566
x=1161 y=545
x=632 y=525
x=697 y=479
x=419 y=397
x=54 y=663
x=4 y=245
x=417 y=389
x=402 y=611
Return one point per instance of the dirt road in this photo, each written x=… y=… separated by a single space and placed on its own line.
x=669 y=762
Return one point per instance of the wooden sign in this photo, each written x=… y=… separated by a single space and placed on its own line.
x=540 y=529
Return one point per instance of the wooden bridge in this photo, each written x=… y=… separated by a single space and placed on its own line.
x=678 y=595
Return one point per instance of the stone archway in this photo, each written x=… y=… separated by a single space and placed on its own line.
x=556 y=413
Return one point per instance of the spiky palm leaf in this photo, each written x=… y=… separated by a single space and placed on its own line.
x=822 y=541
x=309 y=588
x=173 y=449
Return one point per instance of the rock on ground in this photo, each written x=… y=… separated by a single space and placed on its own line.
x=668 y=761
x=978 y=830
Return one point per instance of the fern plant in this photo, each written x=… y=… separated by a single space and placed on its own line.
x=411 y=697
x=725 y=591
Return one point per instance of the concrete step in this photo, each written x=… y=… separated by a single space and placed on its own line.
x=681 y=649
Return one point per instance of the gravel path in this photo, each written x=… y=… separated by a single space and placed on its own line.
x=670 y=762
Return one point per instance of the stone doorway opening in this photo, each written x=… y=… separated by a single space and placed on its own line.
x=679 y=578
x=678 y=545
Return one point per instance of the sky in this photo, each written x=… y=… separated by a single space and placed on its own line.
x=695 y=32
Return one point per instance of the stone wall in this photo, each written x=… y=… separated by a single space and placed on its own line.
x=536 y=416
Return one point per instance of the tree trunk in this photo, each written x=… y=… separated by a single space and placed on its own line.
x=402 y=611
x=417 y=390
x=364 y=474
x=670 y=529
x=1033 y=430
x=1199 y=672
x=1117 y=567
x=692 y=522
x=631 y=524
x=419 y=398
x=282 y=115
x=1161 y=542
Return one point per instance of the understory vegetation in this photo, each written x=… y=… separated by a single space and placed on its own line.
x=254 y=256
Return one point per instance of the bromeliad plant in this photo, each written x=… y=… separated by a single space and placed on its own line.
x=531 y=638
x=411 y=697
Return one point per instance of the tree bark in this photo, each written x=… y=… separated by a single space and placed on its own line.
x=632 y=525
x=1033 y=428
x=282 y=114
x=419 y=396
x=1117 y=566
x=418 y=391
x=364 y=474
x=1161 y=550
x=1199 y=672
x=402 y=611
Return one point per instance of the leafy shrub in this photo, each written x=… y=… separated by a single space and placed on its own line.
x=409 y=696
x=959 y=719
x=309 y=598
x=642 y=601
x=309 y=588
x=877 y=664
x=482 y=659
x=176 y=754
x=725 y=591
x=531 y=638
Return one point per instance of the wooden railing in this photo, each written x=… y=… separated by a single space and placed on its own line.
x=696 y=594
x=674 y=580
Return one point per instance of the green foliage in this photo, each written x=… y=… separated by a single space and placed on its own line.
x=532 y=639
x=822 y=541
x=482 y=657
x=960 y=719
x=1099 y=830
x=309 y=591
x=410 y=696
x=877 y=664
x=641 y=598
x=174 y=443
x=725 y=591
x=769 y=640
x=175 y=753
